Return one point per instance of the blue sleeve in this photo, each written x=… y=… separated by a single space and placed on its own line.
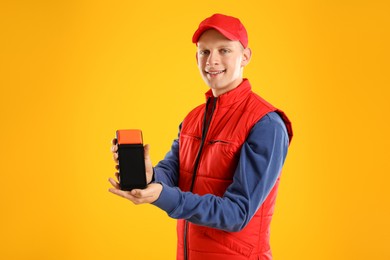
x=261 y=160
x=167 y=170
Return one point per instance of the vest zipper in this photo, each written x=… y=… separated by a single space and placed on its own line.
x=205 y=128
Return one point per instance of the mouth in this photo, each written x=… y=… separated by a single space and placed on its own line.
x=214 y=73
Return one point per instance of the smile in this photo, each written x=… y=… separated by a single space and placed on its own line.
x=215 y=72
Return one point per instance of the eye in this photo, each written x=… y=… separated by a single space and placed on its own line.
x=225 y=51
x=203 y=52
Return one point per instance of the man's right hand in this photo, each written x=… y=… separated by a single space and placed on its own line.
x=148 y=161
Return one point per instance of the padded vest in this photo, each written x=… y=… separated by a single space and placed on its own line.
x=235 y=114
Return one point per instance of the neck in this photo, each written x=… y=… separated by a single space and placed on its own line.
x=218 y=92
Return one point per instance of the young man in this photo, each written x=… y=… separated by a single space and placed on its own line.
x=221 y=176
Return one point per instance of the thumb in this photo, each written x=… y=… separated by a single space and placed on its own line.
x=146 y=151
x=135 y=192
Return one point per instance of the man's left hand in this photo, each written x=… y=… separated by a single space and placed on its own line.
x=138 y=196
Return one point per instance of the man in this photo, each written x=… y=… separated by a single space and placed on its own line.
x=221 y=176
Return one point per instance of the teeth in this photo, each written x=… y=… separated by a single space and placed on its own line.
x=215 y=72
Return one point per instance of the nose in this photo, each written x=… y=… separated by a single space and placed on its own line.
x=213 y=58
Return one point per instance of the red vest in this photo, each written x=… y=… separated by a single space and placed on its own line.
x=235 y=114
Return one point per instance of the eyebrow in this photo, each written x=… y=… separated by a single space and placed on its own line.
x=218 y=47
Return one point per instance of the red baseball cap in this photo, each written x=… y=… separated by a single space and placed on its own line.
x=228 y=26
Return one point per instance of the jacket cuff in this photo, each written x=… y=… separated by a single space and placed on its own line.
x=155 y=175
x=169 y=199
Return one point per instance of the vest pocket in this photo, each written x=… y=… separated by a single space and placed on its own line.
x=230 y=241
x=219 y=141
x=227 y=148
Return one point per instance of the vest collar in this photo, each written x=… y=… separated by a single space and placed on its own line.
x=235 y=95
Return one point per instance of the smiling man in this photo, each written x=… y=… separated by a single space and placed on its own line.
x=220 y=178
x=221 y=61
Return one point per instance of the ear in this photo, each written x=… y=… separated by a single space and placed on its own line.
x=246 y=57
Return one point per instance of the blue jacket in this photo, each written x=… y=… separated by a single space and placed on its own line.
x=263 y=153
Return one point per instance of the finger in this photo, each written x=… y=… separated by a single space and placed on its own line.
x=114 y=141
x=114 y=183
x=114 y=148
x=126 y=195
x=118 y=192
x=142 y=196
x=117 y=167
x=117 y=176
x=146 y=151
x=146 y=193
x=115 y=156
x=131 y=197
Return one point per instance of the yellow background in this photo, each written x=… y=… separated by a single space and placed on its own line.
x=72 y=72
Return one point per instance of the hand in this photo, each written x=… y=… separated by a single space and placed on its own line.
x=148 y=161
x=138 y=196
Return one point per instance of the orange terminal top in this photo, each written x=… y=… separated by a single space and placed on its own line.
x=129 y=136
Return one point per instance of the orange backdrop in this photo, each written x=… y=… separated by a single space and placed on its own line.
x=72 y=72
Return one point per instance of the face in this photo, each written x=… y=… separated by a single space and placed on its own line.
x=221 y=61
